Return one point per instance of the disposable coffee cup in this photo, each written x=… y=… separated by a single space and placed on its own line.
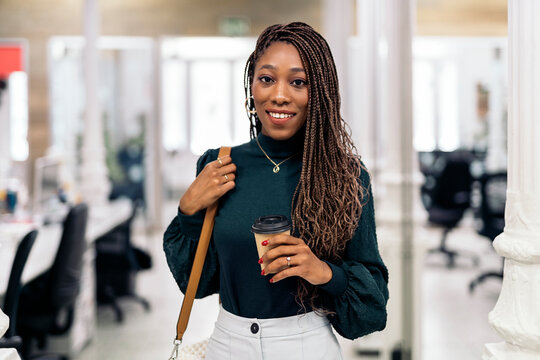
x=267 y=226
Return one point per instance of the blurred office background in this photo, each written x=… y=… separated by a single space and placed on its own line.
x=168 y=84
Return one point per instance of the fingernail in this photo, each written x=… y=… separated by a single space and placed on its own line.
x=271 y=280
x=264 y=243
x=262 y=272
x=260 y=261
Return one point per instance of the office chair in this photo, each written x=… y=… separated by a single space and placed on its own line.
x=117 y=263
x=47 y=303
x=491 y=215
x=446 y=195
x=130 y=159
x=11 y=298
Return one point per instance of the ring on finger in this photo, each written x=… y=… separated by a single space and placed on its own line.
x=226 y=177
x=288 y=261
x=220 y=162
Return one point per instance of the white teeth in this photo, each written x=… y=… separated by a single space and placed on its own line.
x=280 y=115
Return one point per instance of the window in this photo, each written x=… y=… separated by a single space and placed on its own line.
x=203 y=93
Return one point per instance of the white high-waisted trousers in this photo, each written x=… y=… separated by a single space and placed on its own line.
x=307 y=336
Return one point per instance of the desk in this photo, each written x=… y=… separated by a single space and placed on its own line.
x=9 y=354
x=41 y=256
x=101 y=219
x=6 y=353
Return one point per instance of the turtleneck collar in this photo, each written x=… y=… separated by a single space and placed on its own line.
x=279 y=148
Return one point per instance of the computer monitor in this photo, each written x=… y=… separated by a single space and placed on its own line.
x=47 y=182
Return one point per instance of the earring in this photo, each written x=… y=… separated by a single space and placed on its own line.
x=246 y=105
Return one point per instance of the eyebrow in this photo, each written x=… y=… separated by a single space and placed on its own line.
x=272 y=67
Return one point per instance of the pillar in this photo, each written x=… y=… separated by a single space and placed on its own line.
x=397 y=172
x=516 y=317
x=154 y=149
x=95 y=185
x=496 y=150
x=387 y=30
x=365 y=120
x=337 y=28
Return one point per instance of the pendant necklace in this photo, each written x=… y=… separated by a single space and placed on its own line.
x=276 y=166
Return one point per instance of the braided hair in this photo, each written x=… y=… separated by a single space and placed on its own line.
x=328 y=199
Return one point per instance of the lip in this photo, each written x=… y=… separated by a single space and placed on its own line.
x=282 y=111
x=278 y=121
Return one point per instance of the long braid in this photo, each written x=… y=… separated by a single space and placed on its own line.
x=327 y=202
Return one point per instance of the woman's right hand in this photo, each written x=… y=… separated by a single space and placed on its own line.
x=214 y=181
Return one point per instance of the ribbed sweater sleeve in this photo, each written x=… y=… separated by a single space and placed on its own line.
x=358 y=291
x=180 y=242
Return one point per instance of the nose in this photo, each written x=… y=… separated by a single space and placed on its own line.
x=280 y=94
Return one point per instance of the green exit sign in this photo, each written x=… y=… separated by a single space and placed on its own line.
x=234 y=26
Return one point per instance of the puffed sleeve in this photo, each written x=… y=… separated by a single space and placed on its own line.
x=358 y=291
x=180 y=243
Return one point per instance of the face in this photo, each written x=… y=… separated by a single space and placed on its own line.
x=280 y=91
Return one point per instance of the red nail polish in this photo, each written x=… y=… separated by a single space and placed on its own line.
x=260 y=261
x=262 y=272
x=271 y=280
x=264 y=243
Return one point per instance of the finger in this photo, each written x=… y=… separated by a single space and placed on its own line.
x=217 y=175
x=286 y=273
x=283 y=239
x=227 y=177
x=228 y=186
x=281 y=263
x=221 y=161
x=230 y=168
x=281 y=251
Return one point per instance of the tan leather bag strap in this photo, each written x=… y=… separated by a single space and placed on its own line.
x=200 y=256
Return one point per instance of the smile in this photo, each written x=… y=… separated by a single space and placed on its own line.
x=280 y=115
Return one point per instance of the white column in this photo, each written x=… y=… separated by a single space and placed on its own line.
x=516 y=317
x=372 y=22
x=366 y=120
x=496 y=150
x=398 y=153
x=394 y=182
x=95 y=184
x=337 y=28
x=154 y=148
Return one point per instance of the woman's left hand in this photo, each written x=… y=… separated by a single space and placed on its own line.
x=302 y=262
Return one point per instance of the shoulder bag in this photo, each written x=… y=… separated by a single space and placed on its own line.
x=195 y=351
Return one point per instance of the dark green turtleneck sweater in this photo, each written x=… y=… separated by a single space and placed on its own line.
x=358 y=290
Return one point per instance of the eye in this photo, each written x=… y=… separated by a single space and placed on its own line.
x=299 y=82
x=265 y=79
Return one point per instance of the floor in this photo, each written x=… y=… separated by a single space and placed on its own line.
x=454 y=322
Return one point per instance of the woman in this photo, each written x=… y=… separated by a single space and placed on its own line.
x=301 y=163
